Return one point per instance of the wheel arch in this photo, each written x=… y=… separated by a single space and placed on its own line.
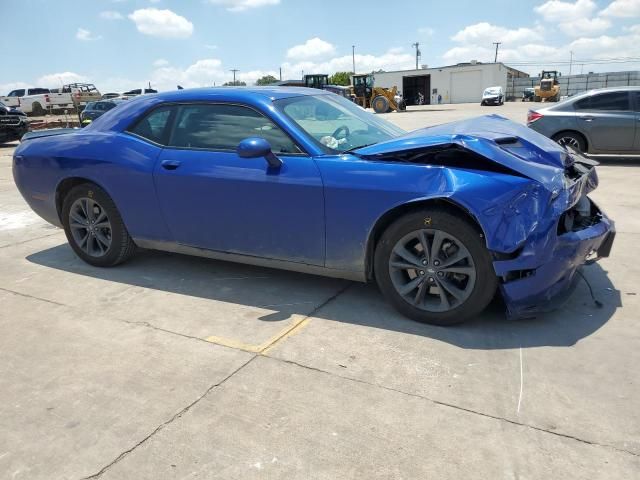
x=398 y=211
x=66 y=185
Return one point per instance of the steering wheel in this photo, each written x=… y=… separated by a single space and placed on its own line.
x=340 y=129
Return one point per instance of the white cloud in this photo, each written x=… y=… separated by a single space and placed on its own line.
x=161 y=62
x=85 y=35
x=580 y=27
x=312 y=48
x=574 y=19
x=111 y=15
x=53 y=80
x=7 y=87
x=486 y=33
x=557 y=11
x=242 y=5
x=389 y=61
x=161 y=23
x=622 y=8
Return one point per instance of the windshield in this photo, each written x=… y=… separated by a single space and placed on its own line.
x=335 y=123
x=492 y=91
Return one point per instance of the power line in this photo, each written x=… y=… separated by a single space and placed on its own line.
x=234 y=70
x=497 y=44
x=353 y=57
x=418 y=53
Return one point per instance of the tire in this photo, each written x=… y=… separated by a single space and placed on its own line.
x=104 y=246
x=37 y=109
x=380 y=104
x=482 y=104
x=478 y=285
x=573 y=139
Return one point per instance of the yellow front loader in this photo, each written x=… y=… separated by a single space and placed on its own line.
x=382 y=100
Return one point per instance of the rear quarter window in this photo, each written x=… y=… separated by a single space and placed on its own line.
x=154 y=126
x=612 y=101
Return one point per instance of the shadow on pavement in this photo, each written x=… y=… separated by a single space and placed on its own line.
x=360 y=305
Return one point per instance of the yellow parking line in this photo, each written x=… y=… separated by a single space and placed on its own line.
x=286 y=332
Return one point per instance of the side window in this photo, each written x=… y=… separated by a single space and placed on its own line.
x=154 y=126
x=223 y=127
x=16 y=93
x=614 y=101
x=636 y=96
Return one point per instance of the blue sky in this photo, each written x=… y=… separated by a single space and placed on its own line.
x=123 y=44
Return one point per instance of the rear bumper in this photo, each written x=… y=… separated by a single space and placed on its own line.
x=530 y=288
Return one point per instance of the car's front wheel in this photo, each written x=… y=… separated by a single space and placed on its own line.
x=94 y=227
x=434 y=267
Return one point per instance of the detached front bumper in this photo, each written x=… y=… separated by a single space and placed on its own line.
x=543 y=275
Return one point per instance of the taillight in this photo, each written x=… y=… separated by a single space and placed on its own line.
x=533 y=116
x=46 y=98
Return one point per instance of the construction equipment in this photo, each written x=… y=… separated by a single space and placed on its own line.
x=316 y=80
x=549 y=88
x=382 y=100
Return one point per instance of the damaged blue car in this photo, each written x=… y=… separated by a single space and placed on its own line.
x=442 y=218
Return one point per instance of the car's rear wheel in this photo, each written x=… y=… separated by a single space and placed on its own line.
x=571 y=139
x=94 y=227
x=434 y=268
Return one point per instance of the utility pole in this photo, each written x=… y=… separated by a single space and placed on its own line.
x=234 y=70
x=497 y=44
x=418 y=54
x=353 y=57
x=280 y=73
x=570 y=61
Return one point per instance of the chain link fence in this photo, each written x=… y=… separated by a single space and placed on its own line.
x=573 y=84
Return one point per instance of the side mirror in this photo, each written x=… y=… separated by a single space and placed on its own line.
x=255 y=147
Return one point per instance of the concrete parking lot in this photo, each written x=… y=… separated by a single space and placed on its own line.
x=177 y=367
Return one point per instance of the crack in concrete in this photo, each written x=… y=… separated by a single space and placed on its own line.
x=33 y=297
x=457 y=407
x=311 y=314
x=104 y=469
x=29 y=240
x=124 y=454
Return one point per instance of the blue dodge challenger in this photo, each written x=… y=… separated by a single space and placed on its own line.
x=441 y=218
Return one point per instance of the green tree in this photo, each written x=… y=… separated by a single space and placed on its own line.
x=266 y=80
x=340 y=78
x=237 y=83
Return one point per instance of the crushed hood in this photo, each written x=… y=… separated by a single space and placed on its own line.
x=493 y=137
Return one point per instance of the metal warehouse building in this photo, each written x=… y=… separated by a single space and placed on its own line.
x=460 y=83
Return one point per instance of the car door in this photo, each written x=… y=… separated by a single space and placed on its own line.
x=211 y=198
x=635 y=97
x=607 y=120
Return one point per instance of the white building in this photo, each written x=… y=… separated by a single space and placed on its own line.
x=460 y=83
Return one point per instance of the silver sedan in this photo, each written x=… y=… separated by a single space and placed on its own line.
x=604 y=121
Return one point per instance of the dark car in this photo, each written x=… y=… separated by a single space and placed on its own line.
x=94 y=110
x=528 y=94
x=13 y=124
x=302 y=179
x=604 y=121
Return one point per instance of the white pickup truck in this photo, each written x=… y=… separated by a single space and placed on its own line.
x=38 y=101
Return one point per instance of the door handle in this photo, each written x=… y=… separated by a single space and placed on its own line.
x=587 y=118
x=170 y=164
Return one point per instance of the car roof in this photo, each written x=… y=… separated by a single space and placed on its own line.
x=236 y=93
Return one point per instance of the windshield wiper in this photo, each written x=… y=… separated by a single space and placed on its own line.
x=350 y=150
